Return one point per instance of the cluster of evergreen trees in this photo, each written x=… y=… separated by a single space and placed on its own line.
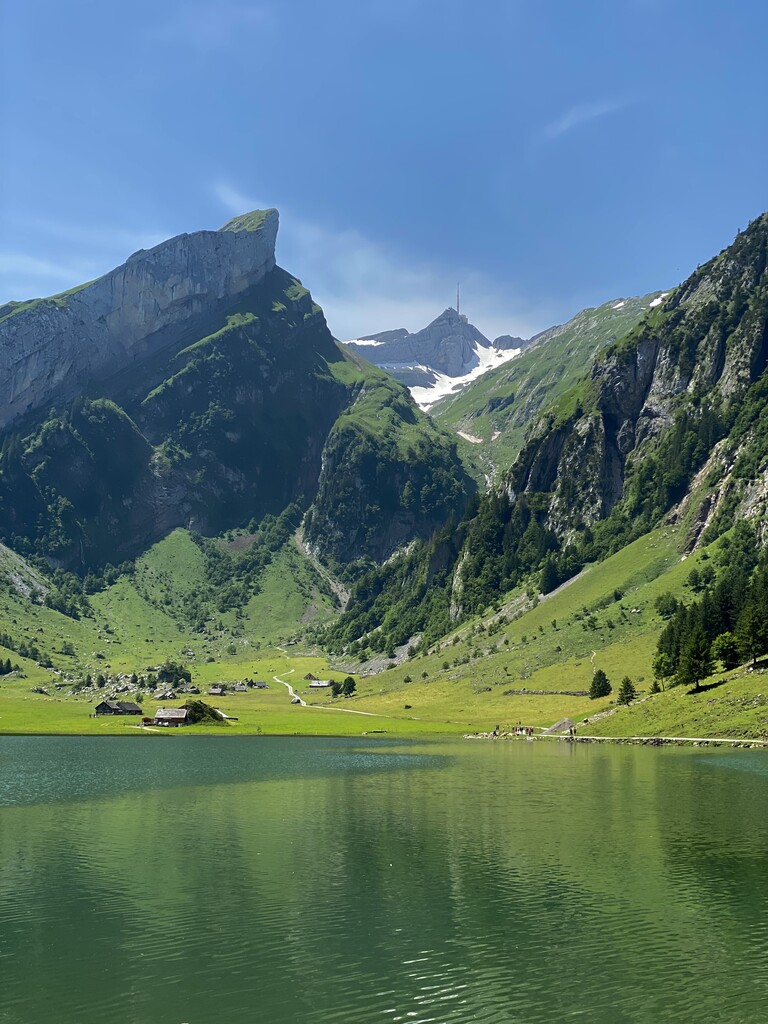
x=727 y=622
x=345 y=689
x=31 y=651
x=601 y=687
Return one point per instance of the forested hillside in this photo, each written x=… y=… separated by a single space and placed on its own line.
x=668 y=422
x=235 y=403
x=497 y=409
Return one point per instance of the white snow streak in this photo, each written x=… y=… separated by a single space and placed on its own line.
x=445 y=385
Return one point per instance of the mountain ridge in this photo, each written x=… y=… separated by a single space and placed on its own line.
x=676 y=407
x=496 y=409
x=212 y=407
x=444 y=354
x=51 y=348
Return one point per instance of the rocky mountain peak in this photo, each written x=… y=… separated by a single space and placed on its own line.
x=449 y=348
x=51 y=348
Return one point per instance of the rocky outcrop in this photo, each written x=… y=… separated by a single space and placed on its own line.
x=507 y=341
x=448 y=345
x=382 y=484
x=219 y=390
x=50 y=349
x=686 y=365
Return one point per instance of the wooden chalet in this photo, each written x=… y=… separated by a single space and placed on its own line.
x=129 y=708
x=171 y=716
x=116 y=707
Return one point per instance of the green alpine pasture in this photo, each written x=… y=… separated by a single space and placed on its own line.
x=498 y=408
x=605 y=618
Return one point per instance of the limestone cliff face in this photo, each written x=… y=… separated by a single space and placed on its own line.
x=51 y=348
x=207 y=391
x=686 y=367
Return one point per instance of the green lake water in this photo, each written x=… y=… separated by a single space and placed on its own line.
x=193 y=880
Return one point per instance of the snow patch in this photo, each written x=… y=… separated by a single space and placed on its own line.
x=659 y=300
x=470 y=437
x=619 y=305
x=364 y=341
x=445 y=385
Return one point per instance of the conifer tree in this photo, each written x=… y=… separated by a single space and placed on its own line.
x=752 y=629
x=662 y=668
x=695 y=658
x=627 y=691
x=601 y=686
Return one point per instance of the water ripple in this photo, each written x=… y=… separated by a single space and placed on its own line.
x=339 y=883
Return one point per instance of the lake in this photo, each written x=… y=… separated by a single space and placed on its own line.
x=192 y=880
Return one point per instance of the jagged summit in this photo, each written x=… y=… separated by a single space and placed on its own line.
x=253 y=221
x=51 y=348
x=438 y=359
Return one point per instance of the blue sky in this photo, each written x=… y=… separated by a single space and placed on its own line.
x=551 y=154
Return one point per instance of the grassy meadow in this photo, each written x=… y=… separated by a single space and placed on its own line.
x=604 y=618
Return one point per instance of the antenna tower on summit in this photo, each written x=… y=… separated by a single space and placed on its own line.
x=458 y=309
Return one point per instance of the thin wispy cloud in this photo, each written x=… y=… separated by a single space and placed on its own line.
x=24 y=277
x=107 y=237
x=581 y=115
x=365 y=287
x=209 y=27
x=30 y=267
x=78 y=253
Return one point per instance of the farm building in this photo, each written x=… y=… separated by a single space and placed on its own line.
x=171 y=716
x=218 y=690
x=319 y=684
x=117 y=707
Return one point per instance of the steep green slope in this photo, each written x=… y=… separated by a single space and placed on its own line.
x=606 y=617
x=497 y=408
x=532 y=661
x=682 y=394
x=217 y=431
x=384 y=464
x=187 y=598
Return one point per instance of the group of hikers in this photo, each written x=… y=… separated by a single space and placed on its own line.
x=519 y=730
x=528 y=730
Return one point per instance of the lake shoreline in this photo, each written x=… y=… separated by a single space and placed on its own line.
x=744 y=743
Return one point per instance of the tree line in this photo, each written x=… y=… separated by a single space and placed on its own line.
x=728 y=622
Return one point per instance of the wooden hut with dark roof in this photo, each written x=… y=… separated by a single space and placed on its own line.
x=171 y=716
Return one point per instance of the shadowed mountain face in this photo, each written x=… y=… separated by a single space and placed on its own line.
x=198 y=385
x=496 y=409
x=449 y=347
x=669 y=421
x=51 y=349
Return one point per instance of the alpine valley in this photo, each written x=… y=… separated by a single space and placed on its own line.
x=199 y=484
